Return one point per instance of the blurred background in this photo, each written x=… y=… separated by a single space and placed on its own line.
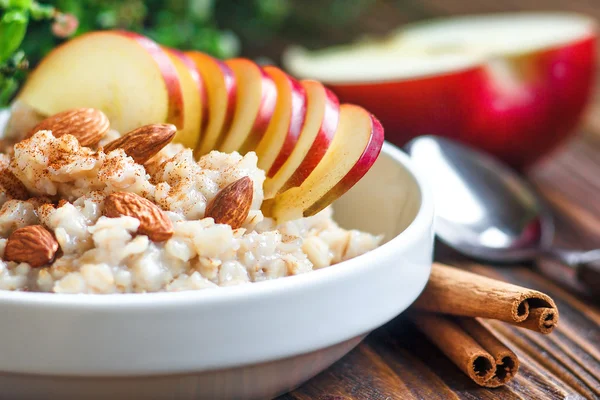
x=252 y=28
x=263 y=28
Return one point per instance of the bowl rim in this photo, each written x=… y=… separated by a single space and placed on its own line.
x=127 y=301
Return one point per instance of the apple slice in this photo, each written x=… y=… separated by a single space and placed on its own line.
x=285 y=126
x=124 y=74
x=514 y=85
x=320 y=123
x=257 y=97
x=193 y=97
x=354 y=149
x=221 y=91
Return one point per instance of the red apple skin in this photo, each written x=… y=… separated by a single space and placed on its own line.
x=231 y=93
x=197 y=78
x=175 y=114
x=295 y=127
x=195 y=75
x=364 y=163
x=266 y=109
x=231 y=87
x=518 y=126
x=409 y=107
x=522 y=126
x=321 y=143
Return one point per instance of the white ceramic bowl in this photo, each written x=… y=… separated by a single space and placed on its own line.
x=251 y=341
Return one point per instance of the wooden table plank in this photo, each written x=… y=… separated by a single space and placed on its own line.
x=397 y=362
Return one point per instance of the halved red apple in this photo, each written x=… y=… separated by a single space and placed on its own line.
x=514 y=84
x=280 y=138
x=355 y=147
x=320 y=123
x=221 y=92
x=124 y=74
x=193 y=96
x=256 y=100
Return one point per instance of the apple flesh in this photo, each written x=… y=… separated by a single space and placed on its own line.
x=193 y=95
x=256 y=100
x=285 y=126
x=355 y=147
x=127 y=76
x=320 y=123
x=221 y=91
x=514 y=85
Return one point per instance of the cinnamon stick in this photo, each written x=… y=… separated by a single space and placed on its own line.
x=471 y=347
x=458 y=292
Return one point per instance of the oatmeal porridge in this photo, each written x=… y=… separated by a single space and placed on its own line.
x=122 y=216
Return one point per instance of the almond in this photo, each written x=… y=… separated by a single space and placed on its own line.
x=88 y=125
x=32 y=244
x=13 y=187
x=232 y=204
x=154 y=222
x=143 y=143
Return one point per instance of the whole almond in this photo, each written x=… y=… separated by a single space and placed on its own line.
x=88 y=125
x=13 y=187
x=32 y=244
x=232 y=204
x=154 y=222
x=143 y=143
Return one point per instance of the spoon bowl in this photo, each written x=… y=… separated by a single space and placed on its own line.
x=487 y=211
x=484 y=209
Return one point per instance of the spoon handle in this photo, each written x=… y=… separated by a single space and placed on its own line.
x=585 y=263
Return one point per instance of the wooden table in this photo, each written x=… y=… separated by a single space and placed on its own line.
x=398 y=362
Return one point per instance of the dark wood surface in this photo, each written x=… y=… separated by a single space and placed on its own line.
x=397 y=362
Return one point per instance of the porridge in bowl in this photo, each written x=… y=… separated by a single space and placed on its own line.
x=102 y=212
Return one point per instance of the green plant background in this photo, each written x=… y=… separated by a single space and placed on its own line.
x=222 y=28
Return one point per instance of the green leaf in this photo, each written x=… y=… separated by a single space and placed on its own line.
x=107 y=19
x=201 y=10
x=42 y=11
x=8 y=87
x=21 y=4
x=13 y=26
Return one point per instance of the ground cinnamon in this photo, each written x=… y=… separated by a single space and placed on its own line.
x=458 y=292
x=474 y=349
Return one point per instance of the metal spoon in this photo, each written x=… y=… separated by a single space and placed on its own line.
x=486 y=211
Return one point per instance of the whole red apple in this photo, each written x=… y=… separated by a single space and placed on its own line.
x=514 y=85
